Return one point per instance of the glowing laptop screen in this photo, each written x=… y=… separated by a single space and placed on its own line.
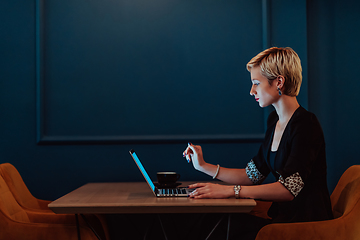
x=142 y=169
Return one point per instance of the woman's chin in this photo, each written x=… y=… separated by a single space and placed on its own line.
x=263 y=105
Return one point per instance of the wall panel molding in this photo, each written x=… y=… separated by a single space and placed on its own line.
x=44 y=138
x=39 y=28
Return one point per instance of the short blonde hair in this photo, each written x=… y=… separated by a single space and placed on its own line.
x=274 y=62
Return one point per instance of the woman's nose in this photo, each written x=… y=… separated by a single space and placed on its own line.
x=252 y=92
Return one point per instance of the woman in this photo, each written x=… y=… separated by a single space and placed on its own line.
x=293 y=149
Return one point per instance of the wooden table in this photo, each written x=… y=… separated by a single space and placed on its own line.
x=137 y=197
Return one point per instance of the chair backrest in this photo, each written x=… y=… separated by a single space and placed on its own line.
x=347 y=192
x=9 y=206
x=17 y=186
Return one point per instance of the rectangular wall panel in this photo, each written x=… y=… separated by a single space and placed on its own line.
x=135 y=71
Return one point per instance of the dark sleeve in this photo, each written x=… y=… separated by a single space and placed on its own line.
x=257 y=169
x=304 y=142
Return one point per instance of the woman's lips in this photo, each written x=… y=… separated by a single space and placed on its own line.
x=257 y=99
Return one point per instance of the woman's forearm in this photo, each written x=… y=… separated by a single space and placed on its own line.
x=228 y=175
x=271 y=192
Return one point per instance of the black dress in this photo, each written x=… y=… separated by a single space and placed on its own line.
x=299 y=164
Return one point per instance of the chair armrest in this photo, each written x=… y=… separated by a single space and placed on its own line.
x=98 y=222
x=44 y=204
x=261 y=209
x=49 y=217
x=329 y=229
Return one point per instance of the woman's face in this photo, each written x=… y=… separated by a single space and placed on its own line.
x=264 y=93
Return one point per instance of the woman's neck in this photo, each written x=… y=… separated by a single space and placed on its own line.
x=285 y=107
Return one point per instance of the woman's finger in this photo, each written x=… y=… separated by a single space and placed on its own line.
x=197 y=185
x=191 y=148
x=205 y=195
x=201 y=193
x=187 y=153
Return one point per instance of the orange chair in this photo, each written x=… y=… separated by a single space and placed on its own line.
x=261 y=209
x=38 y=207
x=17 y=223
x=20 y=191
x=345 y=201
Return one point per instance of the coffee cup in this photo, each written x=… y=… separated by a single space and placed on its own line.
x=167 y=178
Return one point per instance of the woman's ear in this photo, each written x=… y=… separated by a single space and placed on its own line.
x=280 y=82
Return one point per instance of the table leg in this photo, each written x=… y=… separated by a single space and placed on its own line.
x=78 y=226
x=217 y=224
x=88 y=224
x=228 y=228
x=162 y=227
x=147 y=231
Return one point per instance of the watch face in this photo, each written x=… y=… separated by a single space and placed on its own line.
x=237 y=189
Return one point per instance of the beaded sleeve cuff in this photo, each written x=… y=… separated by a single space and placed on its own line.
x=253 y=173
x=293 y=183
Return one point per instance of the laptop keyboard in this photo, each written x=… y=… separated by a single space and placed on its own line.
x=172 y=191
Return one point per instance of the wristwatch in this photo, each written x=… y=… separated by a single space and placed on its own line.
x=237 y=189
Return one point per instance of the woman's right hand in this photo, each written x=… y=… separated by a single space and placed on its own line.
x=194 y=154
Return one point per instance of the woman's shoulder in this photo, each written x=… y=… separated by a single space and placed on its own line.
x=305 y=122
x=304 y=116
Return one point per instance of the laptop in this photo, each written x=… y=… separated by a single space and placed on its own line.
x=160 y=192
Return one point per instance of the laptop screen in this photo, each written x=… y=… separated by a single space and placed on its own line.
x=142 y=169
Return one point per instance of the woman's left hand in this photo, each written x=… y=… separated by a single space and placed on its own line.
x=211 y=190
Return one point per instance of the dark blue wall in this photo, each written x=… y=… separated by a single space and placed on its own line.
x=82 y=82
